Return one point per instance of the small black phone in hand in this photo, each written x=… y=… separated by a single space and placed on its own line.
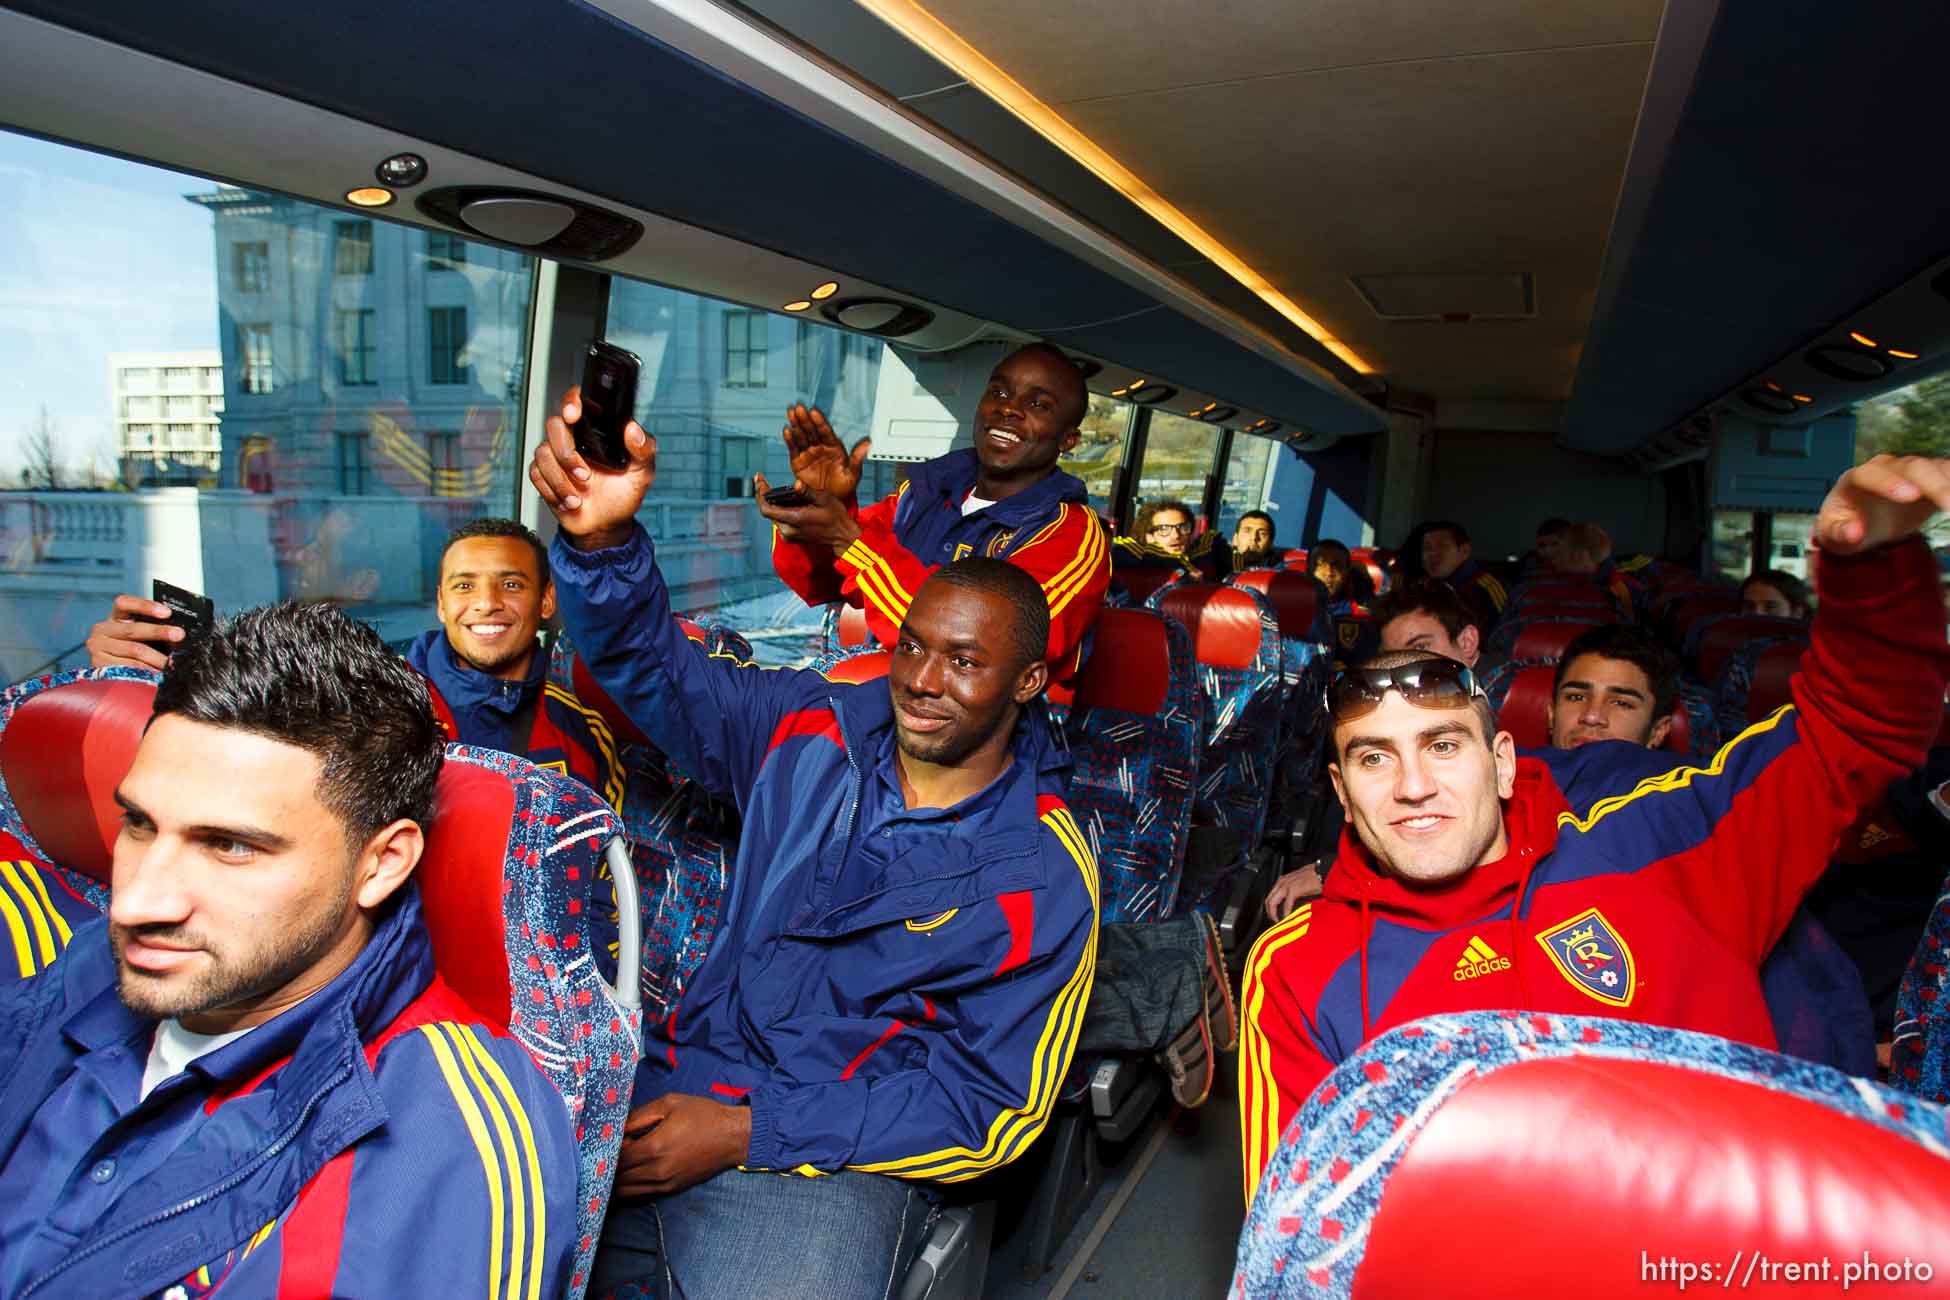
x=791 y=497
x=192 y=611
x=609 y=380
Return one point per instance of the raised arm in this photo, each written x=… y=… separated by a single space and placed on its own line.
x=710 y=713
x=1744 y=838
x=820 y=463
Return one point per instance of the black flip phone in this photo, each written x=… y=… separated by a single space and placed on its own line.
x=195 y=613
x=609 y=376
x=790 y=496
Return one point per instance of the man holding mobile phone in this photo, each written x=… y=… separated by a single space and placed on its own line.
x=909 y=931
x=1004 y=498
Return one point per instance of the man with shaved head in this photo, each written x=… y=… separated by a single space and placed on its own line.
x=1003 y=498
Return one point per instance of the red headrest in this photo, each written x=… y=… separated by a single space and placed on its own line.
x=1129 y=666
x=1223 y=621
x=1703 y=605
x=1295 y=598
x=860 y=668
x=1526 y=707
x=1679 y=736
x=460 y=879
x=1773 y=671
x=1547 y=640
x=1572 y=590
x=1297 y=558
x=853 y=626
x=63 y=754
x=1720 y=640
x=1591 y=1168
x=1141 y=582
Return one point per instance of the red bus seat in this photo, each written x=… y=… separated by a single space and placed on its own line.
x=1548 y=640
x=1295 y=598
x=1140 y=583
x=1593 y=612
x=864 y=664
x=1773 y=671
x=1721 y=638
x=64 y=750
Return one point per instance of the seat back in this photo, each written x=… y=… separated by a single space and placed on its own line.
x=1733 y=691
x=1525 y=710
x=1141 y=582
x=1300 y=609
x=66 y=741
x=1594 y=1146
x=854 y=664
x=1719 y=638
x=1683 y=613
x=1242 y=670
x=1561 y=590
x=1297 y=599
x=1134 y=723
x=1368 y=559
x=528 y=855
x=1543 y=638
x=1533 y=610
x=1770 y=676
x=1295 y=558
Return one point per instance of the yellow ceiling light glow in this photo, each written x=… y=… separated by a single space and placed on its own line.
x=1863 y=339
x=370 y=196
x=932 y=35
x=801 y=305
x=1906 y=356
x=825 y=291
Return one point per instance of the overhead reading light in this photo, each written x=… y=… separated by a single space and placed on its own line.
x=1219 y=414
x=1906 y=356
x=1152 y=394
x=928 y=32
x=369 y=196
x=402 y=170
x=1772 y=403
x=1863 y=339
x=825 y=291
x=1801 y=397
x=1119 y=392
x=1774 y=387
x=1847 y=361
x=801 y=305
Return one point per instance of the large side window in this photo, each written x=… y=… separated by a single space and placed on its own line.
x=249 y=424
x=1249 y=476
x=1178 y=454
x=1103 y=431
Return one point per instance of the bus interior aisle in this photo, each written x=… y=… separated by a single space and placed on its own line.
x=1524 y=339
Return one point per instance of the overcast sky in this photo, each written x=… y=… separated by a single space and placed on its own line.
x=97 y=255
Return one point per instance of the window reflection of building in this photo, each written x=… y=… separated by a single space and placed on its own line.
x=167 y=409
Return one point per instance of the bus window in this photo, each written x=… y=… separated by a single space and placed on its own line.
x=1178 y=455
x=1788 y=549
x=1105 y=428
x=242 y=394
x=1249 y=480
x=1733 y=544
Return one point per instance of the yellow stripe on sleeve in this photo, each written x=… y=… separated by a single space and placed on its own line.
x=510 y=1157
x=30 y=906
x=17 y=928
x=470 y=1113
x=531 y=1159
x=1017 y=1126
x=61 y=929
x=1677 y=779
x=1076 y=575
x=1259 y=1108
x=605 y=741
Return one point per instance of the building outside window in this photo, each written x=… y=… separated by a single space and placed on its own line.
x=443 y=463
x=744 y=349
x=445 y=251
x=806 y=352
x=352 y=248
x=352 y=464
x=446 y=337
x=253 y=266
x=254 y=346
x=358 y=348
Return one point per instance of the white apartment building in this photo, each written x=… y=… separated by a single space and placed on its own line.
x=167 y=407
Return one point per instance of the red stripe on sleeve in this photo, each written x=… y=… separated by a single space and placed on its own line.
x=806 y=722
x=1020 y=909
x=726 y=1090
x=314 y=1231
x=860 y=1060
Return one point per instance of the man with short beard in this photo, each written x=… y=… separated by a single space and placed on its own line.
x=1467 y=880
x=909 y=928
x=248 y=1070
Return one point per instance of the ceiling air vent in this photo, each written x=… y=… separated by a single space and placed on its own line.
x=1455 y=297
x=549 y=224
x=888 y=317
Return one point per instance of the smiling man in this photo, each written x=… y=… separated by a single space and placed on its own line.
x=1003 y=498
x=1466 y=880
x=909 y=928
x=249 y=1071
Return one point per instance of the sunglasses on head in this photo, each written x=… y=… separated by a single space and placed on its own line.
x=1432 y=683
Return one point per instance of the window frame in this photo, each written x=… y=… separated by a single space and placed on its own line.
x=755 y=365
x=444 y=366
x=366 y=347
x=351 y=234
x=360 y=463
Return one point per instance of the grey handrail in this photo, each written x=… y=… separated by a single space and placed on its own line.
x=629 y=926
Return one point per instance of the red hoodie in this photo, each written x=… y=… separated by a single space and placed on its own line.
x=1658 y=904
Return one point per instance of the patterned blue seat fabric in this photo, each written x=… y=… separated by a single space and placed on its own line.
x=545 y=890
x=1309 y=1228
x=1134 y=723
x=1242 y=671
x=1306 y=628
x=1920 y=1051
x=1737 y=679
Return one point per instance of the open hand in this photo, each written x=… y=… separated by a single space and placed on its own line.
x=595 y=506
x=1883 y=500
x=820 y=462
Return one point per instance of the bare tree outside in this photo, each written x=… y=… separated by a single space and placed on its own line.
x=44 y=468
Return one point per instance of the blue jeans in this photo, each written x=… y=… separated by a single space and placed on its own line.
x=741 y=1234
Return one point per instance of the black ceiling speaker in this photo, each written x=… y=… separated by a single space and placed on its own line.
x=888 y=317
x=547 y=224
